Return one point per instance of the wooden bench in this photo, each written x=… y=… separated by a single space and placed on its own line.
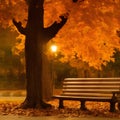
x=91 y=89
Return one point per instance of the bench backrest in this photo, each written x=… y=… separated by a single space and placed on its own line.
x=91 y=86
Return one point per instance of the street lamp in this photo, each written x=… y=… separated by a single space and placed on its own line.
x=53 y=48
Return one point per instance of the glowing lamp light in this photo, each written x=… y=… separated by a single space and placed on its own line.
x=53 y=48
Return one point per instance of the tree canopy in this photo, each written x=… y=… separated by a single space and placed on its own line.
x=90 y=33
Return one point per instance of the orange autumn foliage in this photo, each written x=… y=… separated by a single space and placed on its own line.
x=89 y=34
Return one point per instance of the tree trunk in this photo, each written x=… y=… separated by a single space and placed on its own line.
x=47 y=83
x=36 y=38
x=33 y=54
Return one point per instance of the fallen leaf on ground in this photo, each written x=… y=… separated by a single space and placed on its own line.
x=71 y=109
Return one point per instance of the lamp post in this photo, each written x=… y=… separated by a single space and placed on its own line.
x=53 y=50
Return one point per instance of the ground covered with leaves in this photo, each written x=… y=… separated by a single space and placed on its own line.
x=71 y=109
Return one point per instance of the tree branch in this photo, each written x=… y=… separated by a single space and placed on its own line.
x=51 y=31
x=77 y=0
x=118 y=33
x=19 y=27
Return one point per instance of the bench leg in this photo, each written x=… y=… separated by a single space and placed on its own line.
x=61 y=103
x=112 y=106
x=118 y=105
x=83 y=105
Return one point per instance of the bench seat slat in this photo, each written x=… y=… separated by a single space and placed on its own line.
x=83 y=98
x=90 y=90
x=96 y=79
x=91 y=83
x=87 y=94
x=90 y=87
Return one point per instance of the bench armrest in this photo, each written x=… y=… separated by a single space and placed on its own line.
x=116 y=95
x=117 y=92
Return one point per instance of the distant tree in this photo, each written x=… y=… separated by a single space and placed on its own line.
x=112 y=68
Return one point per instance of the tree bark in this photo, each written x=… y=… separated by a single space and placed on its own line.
x=47 y=83
x=36 y=37
x=33 y=54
